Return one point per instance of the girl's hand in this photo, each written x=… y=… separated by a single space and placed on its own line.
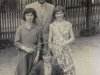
x=67 y=69
x=29 y=50
x=36 y=60
x=63 y=45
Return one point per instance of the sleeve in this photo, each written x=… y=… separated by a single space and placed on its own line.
x=18 y=38
x=33 y=71
x=27 y=6
x=50 y=25
x=67 y=27
x=39 y=36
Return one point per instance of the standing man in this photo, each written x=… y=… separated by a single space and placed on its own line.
x=44 y=17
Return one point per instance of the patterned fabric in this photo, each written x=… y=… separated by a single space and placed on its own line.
x=47 y=69
x=61 y=34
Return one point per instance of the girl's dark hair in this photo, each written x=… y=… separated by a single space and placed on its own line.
x=57 y=9
x=28 y=10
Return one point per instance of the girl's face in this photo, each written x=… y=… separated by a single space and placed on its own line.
x=29 y=17
x=47 y=57
x=59 y=15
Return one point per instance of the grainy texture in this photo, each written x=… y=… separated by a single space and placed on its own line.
x=86 y=57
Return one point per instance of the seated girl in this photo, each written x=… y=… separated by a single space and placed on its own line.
x=46 y=66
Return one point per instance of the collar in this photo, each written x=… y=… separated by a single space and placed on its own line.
x=41 y=4
x=25 y=27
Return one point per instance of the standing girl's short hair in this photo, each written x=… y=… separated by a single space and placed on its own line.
x=57 y=9
x=29 y=10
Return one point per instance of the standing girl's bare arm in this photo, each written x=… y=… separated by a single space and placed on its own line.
x=50 y=37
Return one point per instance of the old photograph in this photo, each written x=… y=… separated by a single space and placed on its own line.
x=49 y=37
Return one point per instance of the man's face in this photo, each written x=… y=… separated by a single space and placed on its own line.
x=41 y=1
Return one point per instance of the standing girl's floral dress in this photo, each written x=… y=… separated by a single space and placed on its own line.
x=61 y=34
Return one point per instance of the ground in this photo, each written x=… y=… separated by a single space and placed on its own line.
x=85 y=50
x=86 y=53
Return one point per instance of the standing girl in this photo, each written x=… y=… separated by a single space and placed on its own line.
x=27 y=37
x=61 y=34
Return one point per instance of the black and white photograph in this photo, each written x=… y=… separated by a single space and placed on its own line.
x=49 y=37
